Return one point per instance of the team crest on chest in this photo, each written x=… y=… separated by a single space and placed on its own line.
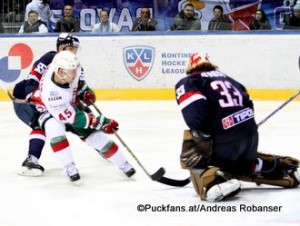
x=138 y=60
x=54 y=95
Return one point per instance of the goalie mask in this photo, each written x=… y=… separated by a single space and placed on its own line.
x=69 y=64
x=196 y=61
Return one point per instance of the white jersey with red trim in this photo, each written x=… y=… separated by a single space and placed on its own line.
x=58 y=100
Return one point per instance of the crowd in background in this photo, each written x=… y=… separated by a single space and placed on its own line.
x=33 y=16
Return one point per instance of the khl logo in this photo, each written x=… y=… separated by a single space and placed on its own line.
x=19 y=57
x=138 y=60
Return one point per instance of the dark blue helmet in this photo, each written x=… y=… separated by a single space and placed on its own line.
x=66 y=39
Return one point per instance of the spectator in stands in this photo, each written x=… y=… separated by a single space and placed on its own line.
x=41 y=7
x=293 y=22
x=105 y=24
x=34 y=24
x=13 y=15
x=1 y=28
x=68 y=23
x=144 y=22
x=220 y=22
x=260 y=21
x=186 y=19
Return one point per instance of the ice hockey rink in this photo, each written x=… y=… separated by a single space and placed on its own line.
x=153 y=131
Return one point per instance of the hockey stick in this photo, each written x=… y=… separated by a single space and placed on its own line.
x=6 y=90
x=157 y=176
x=282 y=105
x=278 y=109
x=14 y=99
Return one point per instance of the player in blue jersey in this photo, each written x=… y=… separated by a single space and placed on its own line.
x=28 y=113
x=221 y=145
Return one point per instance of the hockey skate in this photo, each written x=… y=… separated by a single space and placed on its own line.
x=31 y=167
x=72 y=172
x=127 y=169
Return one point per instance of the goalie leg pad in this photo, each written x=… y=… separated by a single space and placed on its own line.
x=284 y=160
x=213 y=185
x=289 y=181
x=283 y=173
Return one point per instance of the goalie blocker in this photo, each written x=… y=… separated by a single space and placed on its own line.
x=211 y=184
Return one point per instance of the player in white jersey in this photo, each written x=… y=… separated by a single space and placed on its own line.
x=57 y=99
x=29 y=115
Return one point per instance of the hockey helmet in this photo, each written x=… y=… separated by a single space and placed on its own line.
x=66 y=61
x=66 y=39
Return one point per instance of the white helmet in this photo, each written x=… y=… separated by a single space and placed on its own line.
x=65 y=60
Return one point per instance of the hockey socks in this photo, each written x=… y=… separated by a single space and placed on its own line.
x=116 y=157
x=31 y=166
x=62 y=151
x=36 y=142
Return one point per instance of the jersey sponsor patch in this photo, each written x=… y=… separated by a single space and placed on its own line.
x=237 y=118
x=54 y=96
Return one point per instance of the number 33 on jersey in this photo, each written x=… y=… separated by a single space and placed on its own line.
x=222 y=89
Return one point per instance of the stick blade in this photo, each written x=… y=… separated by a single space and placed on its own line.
x=158 y=174
x=173 y=182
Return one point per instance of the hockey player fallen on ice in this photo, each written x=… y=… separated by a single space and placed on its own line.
x=220 y=147
x=28 y=113
x=61 y=111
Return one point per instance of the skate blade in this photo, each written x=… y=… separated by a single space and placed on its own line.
x=77 y=183
x=30 y=172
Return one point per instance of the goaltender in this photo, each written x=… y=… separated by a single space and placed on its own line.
x=220 y=149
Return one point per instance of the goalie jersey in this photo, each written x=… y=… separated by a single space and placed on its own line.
x=216 y=104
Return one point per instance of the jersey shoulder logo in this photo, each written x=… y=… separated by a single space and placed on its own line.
x=138 y=60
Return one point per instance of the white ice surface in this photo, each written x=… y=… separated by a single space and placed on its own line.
x=153 y=131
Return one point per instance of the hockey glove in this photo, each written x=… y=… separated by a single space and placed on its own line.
x=89 y=97
x=196 y=150
x=105 y=124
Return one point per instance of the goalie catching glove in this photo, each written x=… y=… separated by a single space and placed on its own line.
x=105 y=124
x=196 y=150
